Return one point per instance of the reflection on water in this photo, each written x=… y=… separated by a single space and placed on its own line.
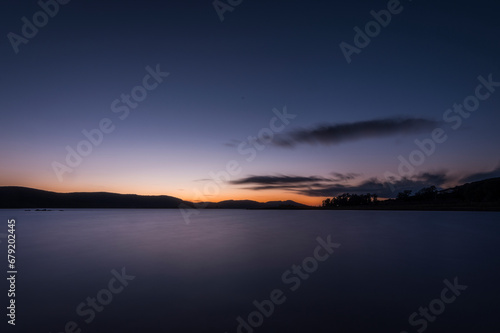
x=202 y=276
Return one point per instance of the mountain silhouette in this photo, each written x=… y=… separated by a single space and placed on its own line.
x=29 y=198
x=484 y=194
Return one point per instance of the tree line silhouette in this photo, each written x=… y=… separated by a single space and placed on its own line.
x=481 y=192
x=348 y=200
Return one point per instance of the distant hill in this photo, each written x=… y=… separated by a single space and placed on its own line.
x=250 y=204
x=28 y=198
x=487 y=190
x=479 y=195
x=22 y=197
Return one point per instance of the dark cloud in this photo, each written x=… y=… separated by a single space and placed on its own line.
x=415 y=182
x=315 y=186
x=437 y=178
x=344 y=176
x=333 y=134
x=481 y=175
x=373 y=185
x=276 y=180
x=369 y=186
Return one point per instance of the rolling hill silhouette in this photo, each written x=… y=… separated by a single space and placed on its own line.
x=484 y=194
x=29 y=198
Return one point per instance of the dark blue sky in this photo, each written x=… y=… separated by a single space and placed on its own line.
x=225 y=78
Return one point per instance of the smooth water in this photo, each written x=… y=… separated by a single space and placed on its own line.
x=201 y=276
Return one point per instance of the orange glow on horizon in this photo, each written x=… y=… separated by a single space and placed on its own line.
x=311 y=201
x=188 y=195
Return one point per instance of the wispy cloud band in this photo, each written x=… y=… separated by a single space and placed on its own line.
x=334 y=134
x=316 y=186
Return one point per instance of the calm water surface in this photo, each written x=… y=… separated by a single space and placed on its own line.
x=202 y=276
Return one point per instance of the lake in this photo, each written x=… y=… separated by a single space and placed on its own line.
x=118 y=270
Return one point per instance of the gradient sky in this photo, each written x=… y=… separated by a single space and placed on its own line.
x=352 y=120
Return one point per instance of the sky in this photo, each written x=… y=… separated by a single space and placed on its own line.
x=260 y=100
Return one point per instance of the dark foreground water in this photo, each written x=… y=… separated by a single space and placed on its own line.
x=149 y=271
